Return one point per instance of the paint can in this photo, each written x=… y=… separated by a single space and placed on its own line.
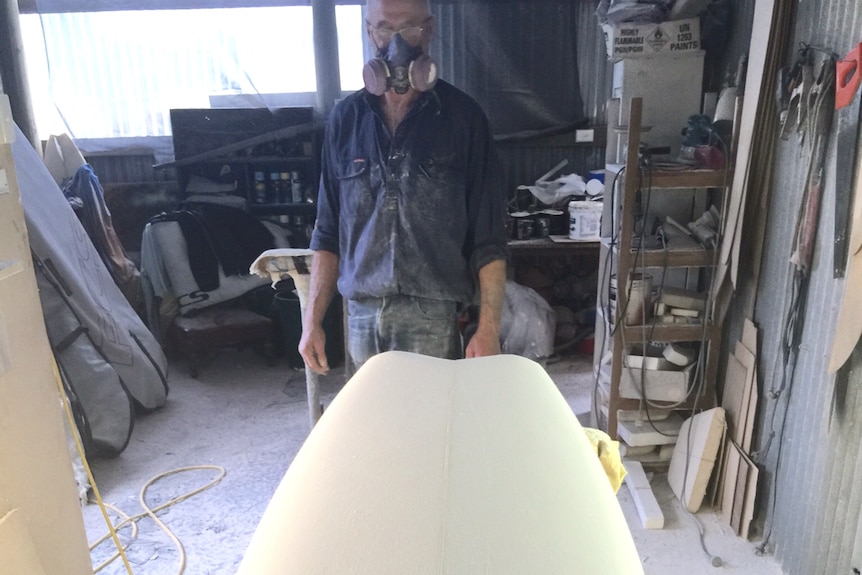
x=585 y=219
x=543 y=226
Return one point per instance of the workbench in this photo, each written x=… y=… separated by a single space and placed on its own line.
x=552 y=247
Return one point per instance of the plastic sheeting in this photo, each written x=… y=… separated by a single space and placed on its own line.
x=517 y=58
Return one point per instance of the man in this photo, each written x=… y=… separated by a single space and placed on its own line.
x=411 y=213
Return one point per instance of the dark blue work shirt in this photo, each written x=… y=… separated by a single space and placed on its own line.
x=416 y=213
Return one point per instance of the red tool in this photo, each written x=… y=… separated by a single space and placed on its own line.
x=848 y=76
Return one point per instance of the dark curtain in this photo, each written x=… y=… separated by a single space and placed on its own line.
x=517 y=58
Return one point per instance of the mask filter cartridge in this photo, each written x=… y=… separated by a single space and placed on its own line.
x=399 y=68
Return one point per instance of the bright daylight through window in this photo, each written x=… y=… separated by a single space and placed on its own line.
x=118 y=74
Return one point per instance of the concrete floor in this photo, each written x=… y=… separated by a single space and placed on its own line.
x=250 y=419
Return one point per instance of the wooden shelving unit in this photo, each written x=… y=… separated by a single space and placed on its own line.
x=621 y=258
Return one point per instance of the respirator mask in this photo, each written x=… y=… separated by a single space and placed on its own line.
x=400 y=66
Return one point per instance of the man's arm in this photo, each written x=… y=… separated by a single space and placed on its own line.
x=492 y=291
x=324 y=274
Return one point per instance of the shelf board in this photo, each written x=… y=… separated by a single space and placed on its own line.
x=702 y=401
x=698 y=257
x=674 y=258
x=687 y=178
x=683 y=177
x=670 y=332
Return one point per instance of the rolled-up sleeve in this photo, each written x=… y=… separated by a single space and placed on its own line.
x=325 y=234
x=486 y=200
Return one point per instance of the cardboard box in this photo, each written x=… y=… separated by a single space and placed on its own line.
x=638 y=40
x=671 y=87
x=660 y=384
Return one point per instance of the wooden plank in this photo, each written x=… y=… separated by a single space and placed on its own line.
x=645 y=502
x=763 y=16
x=749 y=335
x=749 y=396
x=750 y=497
x=717 y=484
x=731 y=470
x=733 y=399
x=739 y=492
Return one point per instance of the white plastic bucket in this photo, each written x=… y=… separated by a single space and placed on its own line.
x=585 y=220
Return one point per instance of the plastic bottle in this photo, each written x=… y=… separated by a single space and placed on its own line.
x=259 y=188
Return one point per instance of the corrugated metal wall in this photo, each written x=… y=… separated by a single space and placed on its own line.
x=524 y=163
x=814 y=426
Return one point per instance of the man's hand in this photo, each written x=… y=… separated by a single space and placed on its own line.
x=312 y=348
x=492 y=290
x=312 y=345
x=484 y=342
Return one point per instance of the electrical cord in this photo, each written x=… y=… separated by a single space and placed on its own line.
x=715 y=560
x=148 y=511
x=134 y=535
x=699 y=376
x=151 y=512
x=73 y=430
x=606 y=313
x=647 y=337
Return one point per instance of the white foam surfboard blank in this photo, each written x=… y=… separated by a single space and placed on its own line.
x=428 y=466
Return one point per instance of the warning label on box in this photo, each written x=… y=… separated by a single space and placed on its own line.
x=657 y=39
x=632 y=40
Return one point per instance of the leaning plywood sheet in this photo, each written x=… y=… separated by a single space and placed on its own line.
x=426 y=466
x=18 y=553
x=744 y=495
x=749 y=335
x=733 y=400
x=731 y=470
x=749 y=395
x=747 y=514
x=89 y=313
x=694 y=456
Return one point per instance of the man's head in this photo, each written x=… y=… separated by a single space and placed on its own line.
x=411 y=18
x=401 y=30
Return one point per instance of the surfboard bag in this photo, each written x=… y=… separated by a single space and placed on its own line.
x=103 y=349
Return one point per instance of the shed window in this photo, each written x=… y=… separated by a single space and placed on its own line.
x=116 y=74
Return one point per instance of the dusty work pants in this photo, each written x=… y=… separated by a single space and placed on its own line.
x=402 y=323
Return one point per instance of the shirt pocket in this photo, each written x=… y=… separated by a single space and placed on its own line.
x=439 y=188
x=356 y=187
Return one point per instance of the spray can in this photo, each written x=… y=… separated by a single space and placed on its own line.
x=296 y=187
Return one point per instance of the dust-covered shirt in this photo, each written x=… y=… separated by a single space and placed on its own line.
x=415 y=213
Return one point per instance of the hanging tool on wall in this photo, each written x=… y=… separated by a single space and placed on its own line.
x=849 y=176
x=848 y=78
x=820 y=105
x=818 y=120
x=791 y=93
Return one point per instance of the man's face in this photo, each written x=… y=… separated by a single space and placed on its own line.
x=410 y=18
